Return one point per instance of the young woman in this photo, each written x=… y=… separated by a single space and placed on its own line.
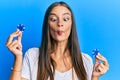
x=59 y=56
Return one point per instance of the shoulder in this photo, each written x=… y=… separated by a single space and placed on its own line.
x=87 y=60
x=88 y=64
x=32 y=53
x=86 y=57
x=30 y=63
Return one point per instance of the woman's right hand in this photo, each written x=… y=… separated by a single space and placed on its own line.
x=15 y=46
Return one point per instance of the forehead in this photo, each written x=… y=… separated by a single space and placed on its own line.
x=60 y=10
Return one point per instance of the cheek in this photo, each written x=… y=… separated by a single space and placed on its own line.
x=68 y=30
x=52 y=26
x=53 y=32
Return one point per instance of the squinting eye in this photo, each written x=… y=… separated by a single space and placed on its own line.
x=53 y=19
x=66 y=19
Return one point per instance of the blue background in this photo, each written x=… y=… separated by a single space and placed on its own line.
x=98 y=26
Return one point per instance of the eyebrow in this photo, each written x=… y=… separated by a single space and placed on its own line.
x=62 y=14
x=66 y=14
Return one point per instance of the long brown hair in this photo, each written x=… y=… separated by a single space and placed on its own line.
x=45 y=62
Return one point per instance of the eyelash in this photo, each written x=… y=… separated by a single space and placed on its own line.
x=66 y=19
x=54 y=19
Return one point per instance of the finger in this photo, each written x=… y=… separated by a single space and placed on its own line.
x=106 y=68
x=17 y=46
x=15 y=42
x=20 y=37
x=100 y=57
x=12 y=44
x=9 y=41
x=96 y=63
x=101 y=65
x=102 y=69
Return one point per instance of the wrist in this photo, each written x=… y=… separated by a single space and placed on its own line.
x=94 y=78
x=17 y=64
x=15 y=70
x=18 y=56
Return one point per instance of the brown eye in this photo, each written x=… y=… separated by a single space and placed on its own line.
x=53 y=19
x=66 y=19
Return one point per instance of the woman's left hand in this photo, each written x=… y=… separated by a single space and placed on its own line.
x=99 y=68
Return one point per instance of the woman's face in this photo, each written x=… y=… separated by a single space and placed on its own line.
x=60 y=22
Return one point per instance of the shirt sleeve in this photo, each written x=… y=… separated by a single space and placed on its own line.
x=88 y=63
x=26 y=67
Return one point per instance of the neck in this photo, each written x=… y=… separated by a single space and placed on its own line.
x=60 y=48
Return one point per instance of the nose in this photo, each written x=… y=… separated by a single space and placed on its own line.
x=60 y=24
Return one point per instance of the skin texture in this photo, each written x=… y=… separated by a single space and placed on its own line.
x=60 y=28
x=60 y=23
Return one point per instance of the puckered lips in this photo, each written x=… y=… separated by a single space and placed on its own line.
x=59 y=32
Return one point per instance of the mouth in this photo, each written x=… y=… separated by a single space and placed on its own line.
x=59 y=32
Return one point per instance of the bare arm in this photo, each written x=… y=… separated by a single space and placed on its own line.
x=16 y=71
x=16 y=48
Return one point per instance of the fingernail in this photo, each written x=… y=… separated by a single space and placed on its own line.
x=97 y=55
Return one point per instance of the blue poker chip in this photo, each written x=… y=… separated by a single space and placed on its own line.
x=95 y=52
x=21 y=27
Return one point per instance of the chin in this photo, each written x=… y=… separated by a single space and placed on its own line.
x=60 y=40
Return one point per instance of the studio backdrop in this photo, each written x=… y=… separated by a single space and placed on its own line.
x=97 y=21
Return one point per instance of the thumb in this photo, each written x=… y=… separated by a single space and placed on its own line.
x=20 y=37
x=96 y=63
